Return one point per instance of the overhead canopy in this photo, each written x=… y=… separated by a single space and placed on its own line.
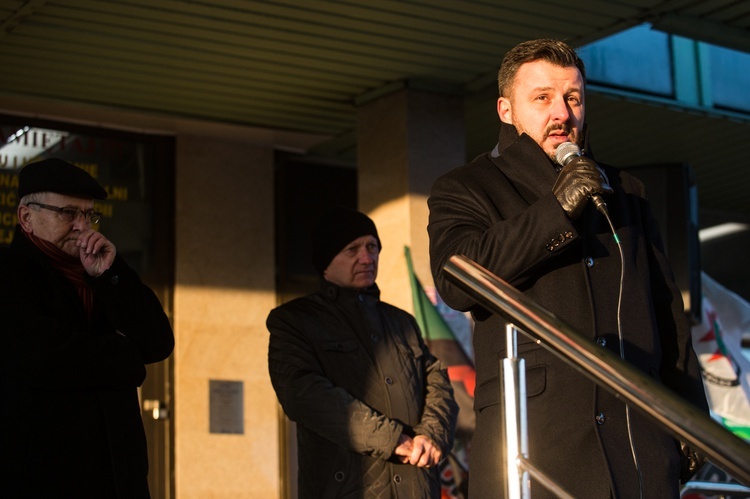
x=302 y=66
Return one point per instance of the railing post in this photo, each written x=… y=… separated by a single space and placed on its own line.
x=515 y=437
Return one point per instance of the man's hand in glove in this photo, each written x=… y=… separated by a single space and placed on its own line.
x=578 y=180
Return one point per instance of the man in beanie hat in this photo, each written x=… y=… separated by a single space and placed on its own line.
x=78 y=328
x=374 y=409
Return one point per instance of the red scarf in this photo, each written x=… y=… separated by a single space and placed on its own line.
x=70 y=267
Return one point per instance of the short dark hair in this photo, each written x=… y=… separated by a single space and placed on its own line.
x=545 y=49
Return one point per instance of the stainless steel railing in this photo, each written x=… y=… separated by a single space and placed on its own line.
x=686 y=422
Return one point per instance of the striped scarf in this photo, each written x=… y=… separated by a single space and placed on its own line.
x=70 y=267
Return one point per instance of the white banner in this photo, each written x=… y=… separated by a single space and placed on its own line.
x=726 y=369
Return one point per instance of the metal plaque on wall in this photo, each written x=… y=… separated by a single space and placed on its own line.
x=226 y=414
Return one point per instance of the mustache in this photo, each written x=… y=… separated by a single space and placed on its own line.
x=564 y=127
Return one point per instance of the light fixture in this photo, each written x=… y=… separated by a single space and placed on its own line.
x=721 y=230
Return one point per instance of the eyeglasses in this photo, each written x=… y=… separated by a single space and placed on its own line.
x=70 y=214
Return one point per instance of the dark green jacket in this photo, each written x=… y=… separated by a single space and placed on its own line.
x=354 y=373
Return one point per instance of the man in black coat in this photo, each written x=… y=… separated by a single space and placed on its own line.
x=374 y=409
x=518 y=214
x=78 y=328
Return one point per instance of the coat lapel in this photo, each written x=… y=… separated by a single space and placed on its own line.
x=524 y=163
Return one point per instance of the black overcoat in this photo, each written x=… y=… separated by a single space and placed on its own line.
x=70 y=419
x=499 y=211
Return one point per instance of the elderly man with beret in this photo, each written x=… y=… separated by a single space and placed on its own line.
x=78 y=328
x=374 y=409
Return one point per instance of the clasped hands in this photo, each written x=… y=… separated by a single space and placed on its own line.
x=419 y=451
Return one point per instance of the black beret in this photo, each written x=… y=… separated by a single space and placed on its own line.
x=56 y=175
x=337 y=227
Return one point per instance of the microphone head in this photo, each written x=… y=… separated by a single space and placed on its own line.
x=566 y=151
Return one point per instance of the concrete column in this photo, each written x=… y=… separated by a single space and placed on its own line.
x=405 y=140
x=223 y=292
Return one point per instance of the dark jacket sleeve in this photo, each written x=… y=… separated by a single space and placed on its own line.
x=510 y=237
x=441 y=410
x=135 y=311
x=680 y=368
x=310 y=399
x=48 y=345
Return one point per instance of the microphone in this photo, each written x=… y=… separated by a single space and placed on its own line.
x=566 y=152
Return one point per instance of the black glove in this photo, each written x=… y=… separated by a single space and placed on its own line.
x=578 y=180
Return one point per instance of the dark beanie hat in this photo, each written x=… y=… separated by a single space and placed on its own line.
x=56 y=175
x=337 y=227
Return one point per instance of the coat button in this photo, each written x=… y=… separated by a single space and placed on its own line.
x=388 y=380
x=601 y=341
x=114 y=279
x=589 y=262
x=374 y=337
x=397 y=478
x=600 y=418
x=339 y=476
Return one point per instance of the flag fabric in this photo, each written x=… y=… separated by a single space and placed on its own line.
x=444 y=345
x=717 y=341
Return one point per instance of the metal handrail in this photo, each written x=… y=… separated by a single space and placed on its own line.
x=723 y=448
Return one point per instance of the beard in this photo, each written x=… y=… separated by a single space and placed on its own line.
x=567 y=130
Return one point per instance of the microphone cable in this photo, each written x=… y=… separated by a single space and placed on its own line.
x=603 y=210
x=566 y=152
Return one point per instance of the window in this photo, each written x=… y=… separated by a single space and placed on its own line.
x=730 y=78
x=636 y=59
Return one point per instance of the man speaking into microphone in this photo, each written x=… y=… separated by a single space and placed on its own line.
x=527 y=216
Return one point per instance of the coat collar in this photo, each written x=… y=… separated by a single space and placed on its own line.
x=22 y=244
x=334 y=292
x=524 y=163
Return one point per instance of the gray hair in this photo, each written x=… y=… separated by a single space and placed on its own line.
x=34 y=197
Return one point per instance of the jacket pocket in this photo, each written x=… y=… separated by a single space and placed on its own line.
x=536 y=380
x=343 y=346
x=488 y=393
x=339 y=478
